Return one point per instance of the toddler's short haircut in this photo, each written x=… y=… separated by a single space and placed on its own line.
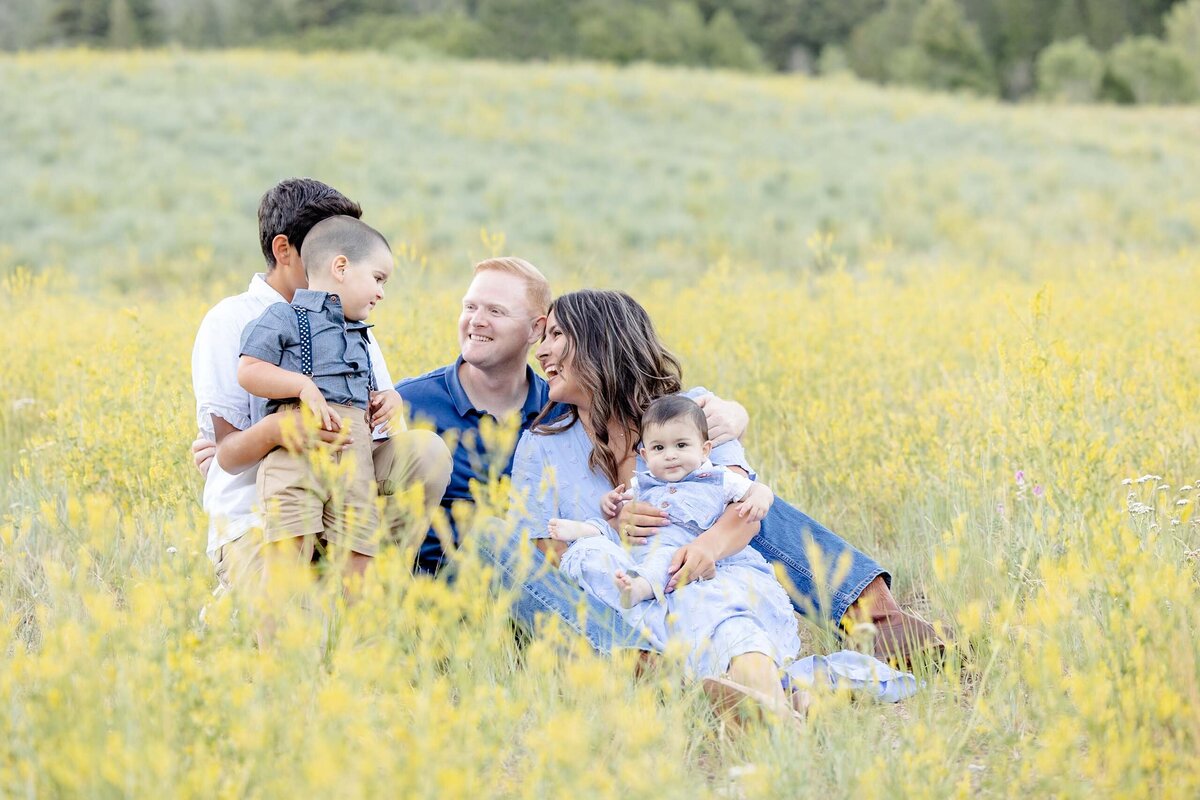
x=340 y=236
x=293 y=206
x=672 y=407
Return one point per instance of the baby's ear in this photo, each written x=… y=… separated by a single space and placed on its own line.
x=706 y=448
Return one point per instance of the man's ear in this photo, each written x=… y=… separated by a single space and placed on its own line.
x=539 y=329
x=339 y=265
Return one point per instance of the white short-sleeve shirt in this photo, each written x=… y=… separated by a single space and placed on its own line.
x=229 y=500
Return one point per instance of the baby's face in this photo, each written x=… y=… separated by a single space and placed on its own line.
x=673 y=449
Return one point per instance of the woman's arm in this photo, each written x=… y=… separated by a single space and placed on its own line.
x=533 y=497
x=698 y=558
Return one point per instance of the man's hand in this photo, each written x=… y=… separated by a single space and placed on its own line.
x=727 y=420
x=638 y=521
x=311 y=396
x=611 y=503
x=203 y=452
x=385 y=406
x=694 y=561
x=757 y=502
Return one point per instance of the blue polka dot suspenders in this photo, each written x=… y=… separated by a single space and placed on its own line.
x=306 y=359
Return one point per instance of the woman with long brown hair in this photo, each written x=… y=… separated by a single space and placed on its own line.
x=605 y=364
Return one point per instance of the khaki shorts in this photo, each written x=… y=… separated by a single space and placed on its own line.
x=322 y=492
x=406 y=461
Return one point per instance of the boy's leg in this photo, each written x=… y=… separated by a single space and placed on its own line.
x=402 y=463
x=545 y=592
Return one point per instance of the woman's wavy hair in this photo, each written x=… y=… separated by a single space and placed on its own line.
x=619 y=360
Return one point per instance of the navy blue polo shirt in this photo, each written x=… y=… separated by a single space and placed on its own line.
x=438 y=398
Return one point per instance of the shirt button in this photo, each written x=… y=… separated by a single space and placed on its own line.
x=665 y=504
x=672 y=490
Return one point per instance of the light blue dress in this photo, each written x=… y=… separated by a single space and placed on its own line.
x=742 y=610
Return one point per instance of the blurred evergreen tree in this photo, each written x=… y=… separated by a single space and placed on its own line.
x=1182 y=27
x=946 y=52
x=1070 y=71
x=529 y=28
x=874 y=44
x=1154 y=71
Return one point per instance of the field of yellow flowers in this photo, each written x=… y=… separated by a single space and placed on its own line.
x=1003 y=411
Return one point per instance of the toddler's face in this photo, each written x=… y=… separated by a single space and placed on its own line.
x=673 y=449
x=362 y=283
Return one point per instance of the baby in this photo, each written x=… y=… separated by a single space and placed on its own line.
x=680 y=480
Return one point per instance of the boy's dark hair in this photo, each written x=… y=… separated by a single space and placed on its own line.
x=292 y=207
x=673 y=407
x=340 y=236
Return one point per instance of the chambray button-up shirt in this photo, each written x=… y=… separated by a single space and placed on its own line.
x=341 y=365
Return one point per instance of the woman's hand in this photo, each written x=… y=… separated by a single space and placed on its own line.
x=639 y=520
x=694 y=561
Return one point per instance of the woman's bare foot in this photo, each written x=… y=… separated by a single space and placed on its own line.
x=633 y=590
x=568 y=530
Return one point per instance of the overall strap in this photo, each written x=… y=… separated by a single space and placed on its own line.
x=306 y=362
x=370 y=367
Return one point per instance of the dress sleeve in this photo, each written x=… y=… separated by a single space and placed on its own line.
x=730 y=454
x=534 y=499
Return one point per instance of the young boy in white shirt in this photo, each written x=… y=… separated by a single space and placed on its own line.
x=228 y=414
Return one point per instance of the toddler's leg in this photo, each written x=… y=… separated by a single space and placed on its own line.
x=633 y=588
x=648 y=579
x=569 y=530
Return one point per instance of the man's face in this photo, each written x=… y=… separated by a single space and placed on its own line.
x=497 y=325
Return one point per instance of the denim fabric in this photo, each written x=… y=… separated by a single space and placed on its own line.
x=785 y=537
x=545 y=591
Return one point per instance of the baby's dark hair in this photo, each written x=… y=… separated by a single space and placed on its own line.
x=340 y=236
x=672 y=407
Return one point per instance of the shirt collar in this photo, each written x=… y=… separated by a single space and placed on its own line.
x=260 y=288
x=464 y=406
x=308 y=299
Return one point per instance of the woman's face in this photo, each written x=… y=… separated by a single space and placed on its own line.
x=552 y=354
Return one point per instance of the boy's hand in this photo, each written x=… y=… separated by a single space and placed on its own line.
x=385 y=406
x=754 y=506
x=311 y=396
x=610 y=504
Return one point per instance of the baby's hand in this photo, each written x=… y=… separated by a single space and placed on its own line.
x=385 y=406
x=311 y=396
x=611 y=503
x=754 y=506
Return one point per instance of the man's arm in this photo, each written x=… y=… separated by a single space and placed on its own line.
x=727 y=419
x=238 y=450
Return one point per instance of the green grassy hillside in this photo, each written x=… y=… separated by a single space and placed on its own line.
x=148 y=167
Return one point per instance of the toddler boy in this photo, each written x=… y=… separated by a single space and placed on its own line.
x=314 y=352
